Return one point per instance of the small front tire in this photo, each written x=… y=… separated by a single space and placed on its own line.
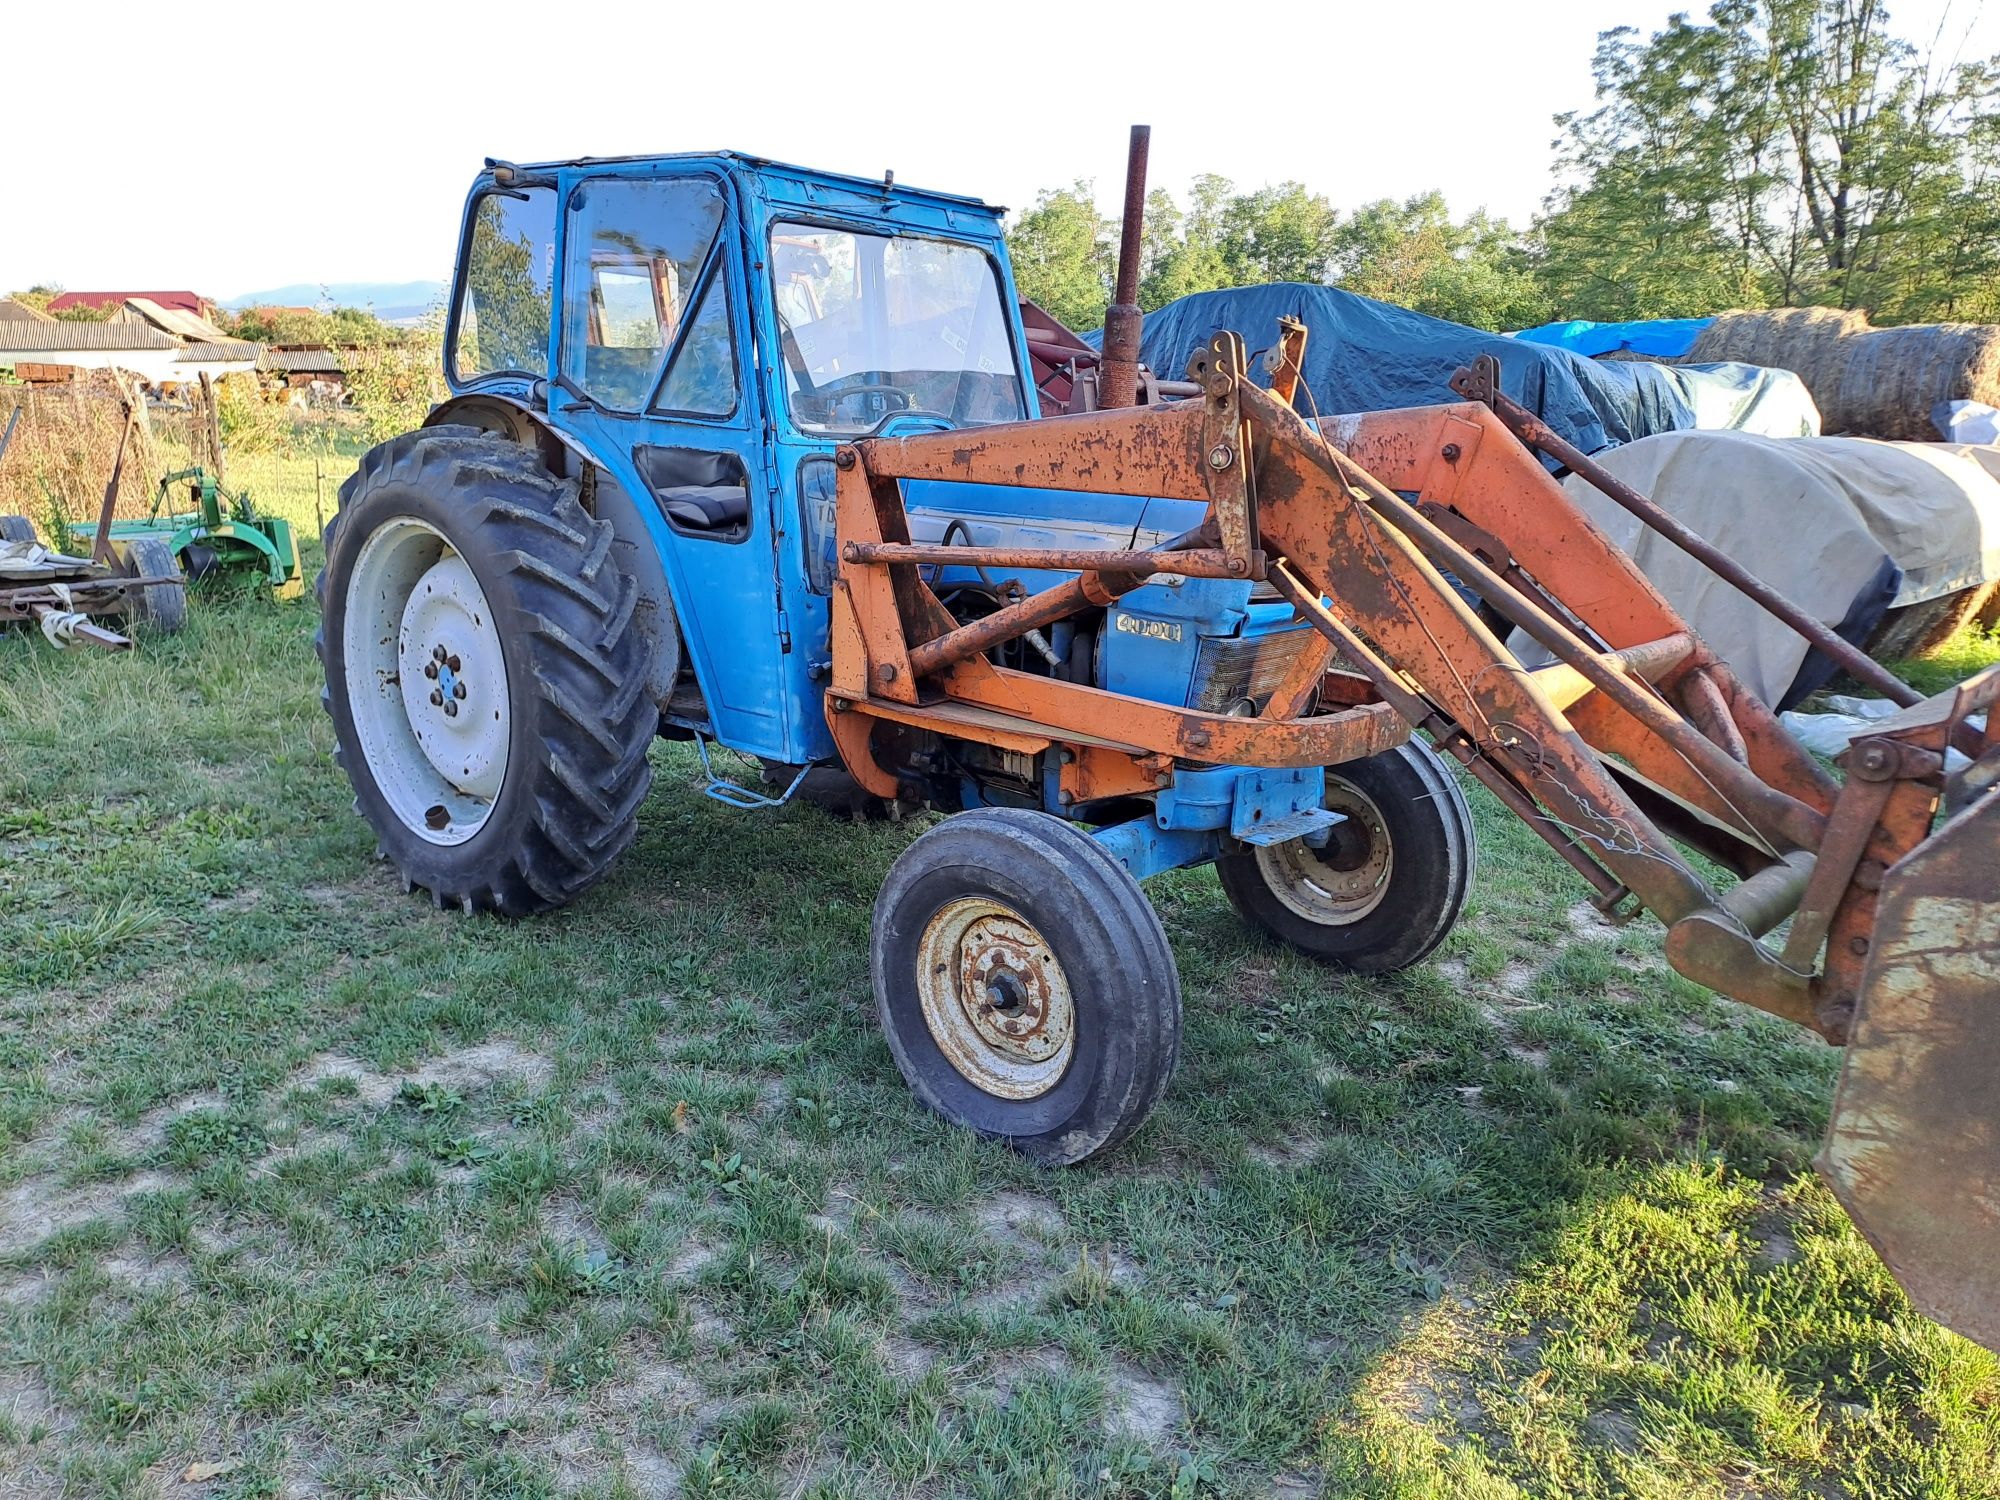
x=162 y=606
x=1024 y=984
x=1386 y=887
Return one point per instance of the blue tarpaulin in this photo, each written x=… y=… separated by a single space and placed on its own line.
x=1364 y=355
x=1660 y=338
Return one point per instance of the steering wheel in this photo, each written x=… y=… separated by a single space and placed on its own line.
x=834 y=398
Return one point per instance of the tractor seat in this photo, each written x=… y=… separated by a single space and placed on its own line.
x=707 y=507
x=698 y=489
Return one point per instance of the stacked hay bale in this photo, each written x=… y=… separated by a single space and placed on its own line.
x=1873 y=382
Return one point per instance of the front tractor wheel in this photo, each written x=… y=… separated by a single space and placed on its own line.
x=1384 y=887
x=486 y=682
x=1024 y=983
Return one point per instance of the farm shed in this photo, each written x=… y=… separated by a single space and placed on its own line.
x=304 y=366
x=155 y=357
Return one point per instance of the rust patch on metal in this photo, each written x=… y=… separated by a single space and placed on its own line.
x=1914 y=1148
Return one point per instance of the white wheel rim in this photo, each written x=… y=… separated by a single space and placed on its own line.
x=426 y=681
x=995 y=998
x=1344 y=881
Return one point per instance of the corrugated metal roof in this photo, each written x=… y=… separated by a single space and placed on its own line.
x=69 y=338
x=306 y=361
x=182 y=325
x=19 y=312
x=185 y=301
x=209 y=353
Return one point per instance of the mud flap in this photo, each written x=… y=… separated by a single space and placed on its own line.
x=1914 y=1148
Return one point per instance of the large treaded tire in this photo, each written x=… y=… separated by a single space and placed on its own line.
x=18 y=529
x=1428 y=830
x=1086 y=910
x=581 y=719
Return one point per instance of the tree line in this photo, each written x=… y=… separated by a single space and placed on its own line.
x=1773 y=153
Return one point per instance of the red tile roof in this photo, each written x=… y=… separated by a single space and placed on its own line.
x=192 y=302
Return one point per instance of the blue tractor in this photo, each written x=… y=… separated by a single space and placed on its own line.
x=749 y=455
x=622 y=524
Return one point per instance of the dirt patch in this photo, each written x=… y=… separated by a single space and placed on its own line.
x=468 y=1068
x=1293 y=1151
x=33 y=1210
x=374 y=1089
x=1141 y=1407
x=1027 y=1223
x=690 y=1260
x=149 y=1272
x=905 y=1358
x=569 y=1224
x=1587 y=922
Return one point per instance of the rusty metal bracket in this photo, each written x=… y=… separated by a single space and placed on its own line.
x=1288 y=359
x=1221 y=369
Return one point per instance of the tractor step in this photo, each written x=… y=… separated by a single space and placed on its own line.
x=1298 y=825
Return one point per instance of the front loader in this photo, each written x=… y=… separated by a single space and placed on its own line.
x=741 y=454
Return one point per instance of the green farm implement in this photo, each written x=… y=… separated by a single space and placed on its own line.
x=215 y=534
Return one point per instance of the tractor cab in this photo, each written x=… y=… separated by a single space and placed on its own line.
x=703 y=331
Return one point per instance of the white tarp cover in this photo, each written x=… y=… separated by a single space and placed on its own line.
x=1817 y=518
x=1749 y=398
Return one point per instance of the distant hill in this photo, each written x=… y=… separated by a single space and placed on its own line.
x=391 y=301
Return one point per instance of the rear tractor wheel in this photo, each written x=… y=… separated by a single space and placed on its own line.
x=18 y=529
x=485 y=678
x=1385 y=886
x=1024 y=984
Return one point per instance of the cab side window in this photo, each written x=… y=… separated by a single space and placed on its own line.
x=640 y=252
x=505 y=275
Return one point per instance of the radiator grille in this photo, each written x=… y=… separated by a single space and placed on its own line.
x=1230 y=669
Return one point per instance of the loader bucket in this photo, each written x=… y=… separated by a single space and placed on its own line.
x=1914 y=1148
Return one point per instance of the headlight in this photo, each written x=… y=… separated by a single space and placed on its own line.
x=1231 y=670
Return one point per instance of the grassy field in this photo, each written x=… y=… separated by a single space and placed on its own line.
x=307 y=1188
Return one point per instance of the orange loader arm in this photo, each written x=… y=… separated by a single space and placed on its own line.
x=1623 y=740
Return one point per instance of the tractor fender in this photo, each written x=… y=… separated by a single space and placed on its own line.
x=604 y=498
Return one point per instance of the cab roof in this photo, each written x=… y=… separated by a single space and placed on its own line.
x=752 y=163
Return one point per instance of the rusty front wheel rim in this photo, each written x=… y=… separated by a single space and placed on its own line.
x=995 y=998
x=1346 y=880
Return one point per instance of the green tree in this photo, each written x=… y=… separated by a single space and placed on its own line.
x=1063 y=255
x=1780 y=151
x=1185 y=252
x=1281 y=233
x=1413 y=254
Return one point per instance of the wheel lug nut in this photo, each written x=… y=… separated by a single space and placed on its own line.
x=458 y=690
x=436 y=697
x=437 y=653
x=430 y=669
x=450 y=709
x=452 y=663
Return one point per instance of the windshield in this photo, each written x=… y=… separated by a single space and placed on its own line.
x=872 y=325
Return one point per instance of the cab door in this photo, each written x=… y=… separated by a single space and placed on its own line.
x=650 y=356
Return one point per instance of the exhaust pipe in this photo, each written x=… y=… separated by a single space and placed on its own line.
x=1118 y=374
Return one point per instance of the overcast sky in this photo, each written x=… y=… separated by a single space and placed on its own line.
x=233 y=147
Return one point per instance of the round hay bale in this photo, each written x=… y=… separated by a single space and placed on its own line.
x=1876 y=382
